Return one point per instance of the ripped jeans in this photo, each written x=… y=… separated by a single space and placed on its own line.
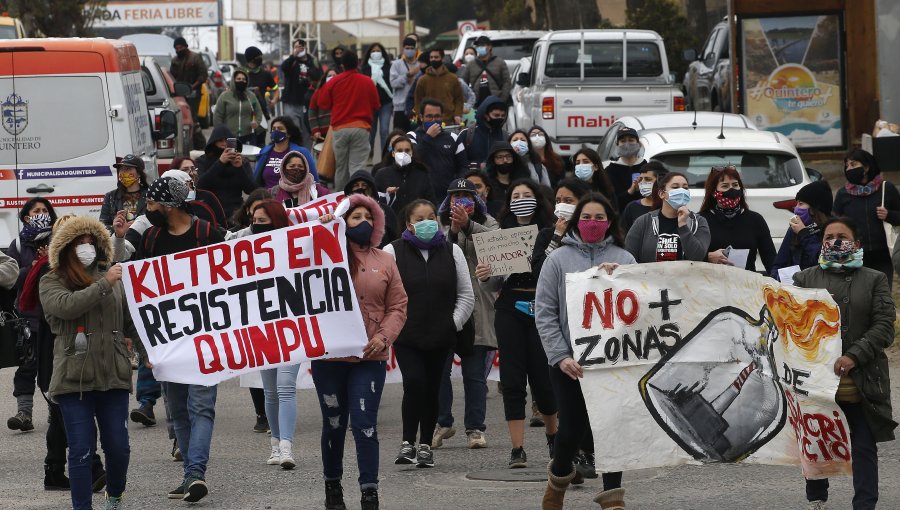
x=350 y=390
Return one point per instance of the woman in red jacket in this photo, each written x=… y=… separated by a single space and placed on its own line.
x=351 y=387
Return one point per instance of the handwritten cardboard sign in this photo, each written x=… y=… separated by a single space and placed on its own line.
x=507 y=251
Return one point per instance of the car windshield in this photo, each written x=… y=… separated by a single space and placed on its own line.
x=8 y=32
x=512 y=49
x=757 y=169
x=164 y=61
x=603 y=59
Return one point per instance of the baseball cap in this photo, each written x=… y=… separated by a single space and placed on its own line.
x=627 y=132
x=129 y=160
x=461 y=185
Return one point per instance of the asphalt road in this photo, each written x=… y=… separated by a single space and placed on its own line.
x=239 y=478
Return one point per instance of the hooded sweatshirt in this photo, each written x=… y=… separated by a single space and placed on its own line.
x=237 y=112
x=227 y=182
x=550 y=314
x=478 y=142
x=442 y=85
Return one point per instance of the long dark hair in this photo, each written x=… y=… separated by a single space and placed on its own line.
x=241 y=216
x=612 y=215
x=716 y=174
x=531 y=157
x=578 y=187
x=552 y=161
x=599 y=180
x=660 y=185
x=519 y=171
x=867 y=160
x=384 y=55
x=543 y=215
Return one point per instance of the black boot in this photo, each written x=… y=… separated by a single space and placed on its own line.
x=334 y=496
x=369 y=499
x=55 y=478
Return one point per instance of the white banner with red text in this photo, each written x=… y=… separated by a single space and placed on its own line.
x=313 y=209
x=688 y=362
x=212 y=313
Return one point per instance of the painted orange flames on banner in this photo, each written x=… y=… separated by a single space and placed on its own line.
x=802 y=324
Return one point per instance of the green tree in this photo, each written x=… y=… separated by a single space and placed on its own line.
x=55 y=18
x=664 y=17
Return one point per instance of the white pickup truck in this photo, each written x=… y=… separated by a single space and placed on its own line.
x=581 y=81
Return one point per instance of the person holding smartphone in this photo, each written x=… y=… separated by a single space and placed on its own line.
x=229 y=177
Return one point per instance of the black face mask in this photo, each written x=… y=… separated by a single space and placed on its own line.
x=733 y=193
x=181 y=53
x=497 y=123
x=855 y=175
x=257 y=61
x=157 y=219
x=504 y=169
x=240 y=86
x=437 y=64
x=259 y=228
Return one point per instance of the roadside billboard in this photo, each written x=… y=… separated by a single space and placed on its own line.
x=792 y=77
x=158 y=13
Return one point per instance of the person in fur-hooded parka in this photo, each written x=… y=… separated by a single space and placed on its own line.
x=85 y=306
x=82 y=291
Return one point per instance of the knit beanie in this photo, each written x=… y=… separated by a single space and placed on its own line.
x=818 y=195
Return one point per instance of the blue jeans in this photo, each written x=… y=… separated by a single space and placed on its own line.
x=353 y=390
x=381 y=122
x=193 y=411
x=147 y=390
x=475 y=386
x=280 y=386
x=110 y=410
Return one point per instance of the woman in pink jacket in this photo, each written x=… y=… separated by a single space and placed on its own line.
x=351 y=387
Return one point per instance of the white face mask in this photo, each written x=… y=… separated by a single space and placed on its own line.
x=327 y=79
x=301 y=53
x=469 y=58
x=402 y=158
x=192 y=195
x=375 y=55
x=538 y=141
x=520 y=146
x=86 y=254
x=646 y=188
x=564 y=211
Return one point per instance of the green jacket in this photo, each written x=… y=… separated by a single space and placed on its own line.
x=100 y=308
x=867 y=328
x=237 y=113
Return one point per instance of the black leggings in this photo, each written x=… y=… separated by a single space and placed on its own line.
x=573 y=427
x=522 y=359
x=421 y=372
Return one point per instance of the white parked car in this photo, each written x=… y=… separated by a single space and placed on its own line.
x=768 y=162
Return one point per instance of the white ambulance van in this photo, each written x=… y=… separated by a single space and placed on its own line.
x=68 y=108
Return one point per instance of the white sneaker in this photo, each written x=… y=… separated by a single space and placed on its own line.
x=476 y=439
x=440 y=434
x=287 y=460
x=275 y=457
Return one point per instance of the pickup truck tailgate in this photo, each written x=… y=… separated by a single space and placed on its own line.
x=587 y=112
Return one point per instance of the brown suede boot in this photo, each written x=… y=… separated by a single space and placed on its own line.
x=556 y=489
x=613 y=499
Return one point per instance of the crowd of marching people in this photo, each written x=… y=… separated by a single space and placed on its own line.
x=422 y=292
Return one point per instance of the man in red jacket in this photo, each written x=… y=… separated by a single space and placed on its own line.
x=353 y=100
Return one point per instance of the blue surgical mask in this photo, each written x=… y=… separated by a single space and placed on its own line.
x=481 y=50
x=679 y=197
x=409 y=53
x=428 y=123
x=425 y=230
x=584 y=171
x=520 y=146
